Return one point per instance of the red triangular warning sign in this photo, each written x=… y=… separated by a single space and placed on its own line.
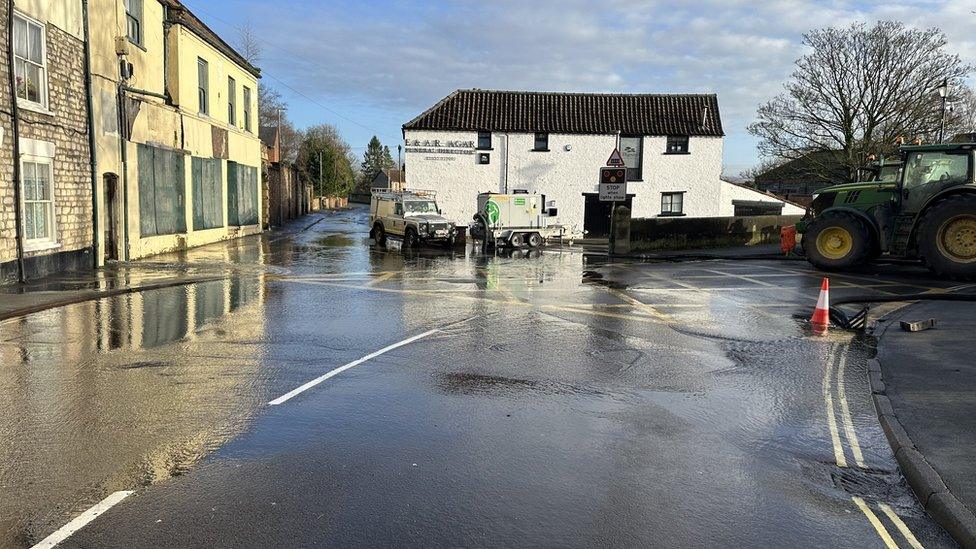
x=615 y=160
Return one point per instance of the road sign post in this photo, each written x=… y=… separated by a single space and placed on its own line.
x=613 y=189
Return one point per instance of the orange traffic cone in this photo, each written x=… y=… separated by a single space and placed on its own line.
x=821 y=316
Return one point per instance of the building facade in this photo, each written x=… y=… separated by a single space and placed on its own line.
x=178 y=158
x=45 y=162
x=475 y=141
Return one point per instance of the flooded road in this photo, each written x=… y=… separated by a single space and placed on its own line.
x=446 y=398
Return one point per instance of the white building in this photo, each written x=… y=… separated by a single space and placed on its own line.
x=474 y=141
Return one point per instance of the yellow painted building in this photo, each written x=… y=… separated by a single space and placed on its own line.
x=178 y=156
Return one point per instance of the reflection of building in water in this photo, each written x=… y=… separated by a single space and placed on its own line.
x=110 y=394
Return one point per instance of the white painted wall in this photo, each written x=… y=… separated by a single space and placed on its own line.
x=564 y=175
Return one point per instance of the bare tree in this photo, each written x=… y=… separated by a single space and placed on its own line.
x=248 y=44
x=857 y=91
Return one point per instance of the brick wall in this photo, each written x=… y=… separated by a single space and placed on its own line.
x=67 y=128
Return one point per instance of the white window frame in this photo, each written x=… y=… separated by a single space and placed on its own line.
x=49 y=240
x=23 y=102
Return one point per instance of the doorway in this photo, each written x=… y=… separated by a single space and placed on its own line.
x=596 y=215
x=110 y=185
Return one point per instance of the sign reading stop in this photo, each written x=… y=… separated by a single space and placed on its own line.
x=613 y=184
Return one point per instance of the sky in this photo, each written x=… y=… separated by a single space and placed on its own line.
x=367 y=67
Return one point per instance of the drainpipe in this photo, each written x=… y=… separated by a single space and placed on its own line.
x=123 y=156
x=18 y=206
x=96 y=224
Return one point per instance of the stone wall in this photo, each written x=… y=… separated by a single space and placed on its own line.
x=66 y=127
x=685 y=233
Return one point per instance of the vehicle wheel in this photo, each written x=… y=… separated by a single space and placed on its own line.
x=836 y=240
x=410 y=239
x=516 y=240
x=378 y=234
x=534 y=240
x=947 y=237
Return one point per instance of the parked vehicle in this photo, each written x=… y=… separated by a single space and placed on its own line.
x=515 y=220
x=928 y=212
x=412 y=215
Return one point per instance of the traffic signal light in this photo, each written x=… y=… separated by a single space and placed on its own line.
x=613 y=175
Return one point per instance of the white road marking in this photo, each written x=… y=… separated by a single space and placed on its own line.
x=297 y=391
x=83 y=519
x=831 y=421
x=879 y=527
x=902 y=527
x=845 y=415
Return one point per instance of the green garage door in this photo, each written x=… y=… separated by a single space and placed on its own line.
x=162 y=208
x=242 y=195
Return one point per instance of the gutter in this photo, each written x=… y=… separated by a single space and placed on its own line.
x=96 y=224
x=18 y=205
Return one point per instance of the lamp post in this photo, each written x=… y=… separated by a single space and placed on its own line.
x=943 y=93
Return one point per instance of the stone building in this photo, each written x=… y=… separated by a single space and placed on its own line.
x=46 y=202
x=178 y=159
x=550 y=143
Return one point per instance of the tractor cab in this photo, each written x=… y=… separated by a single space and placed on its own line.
x=924 y=207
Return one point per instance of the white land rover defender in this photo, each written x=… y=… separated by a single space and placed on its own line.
x=412 y=215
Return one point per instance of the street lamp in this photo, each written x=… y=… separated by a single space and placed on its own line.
x=943 y=93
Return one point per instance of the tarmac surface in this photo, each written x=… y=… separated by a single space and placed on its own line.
x=931 y=385
x=325 y=391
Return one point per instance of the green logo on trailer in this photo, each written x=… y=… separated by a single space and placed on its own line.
x=492 y=212
x=520 y=202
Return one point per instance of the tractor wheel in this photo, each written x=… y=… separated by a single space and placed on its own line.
x=947 y=237
x=516 y=240
x=534 y=240
x=378 y=235
x=410 y=240
x=836 y=240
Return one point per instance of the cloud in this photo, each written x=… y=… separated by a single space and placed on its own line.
x=399 y=57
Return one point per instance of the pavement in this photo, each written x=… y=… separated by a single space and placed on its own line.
x=926 y=390
x=326 y=391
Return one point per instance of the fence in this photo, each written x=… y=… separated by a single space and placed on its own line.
x=286 y=197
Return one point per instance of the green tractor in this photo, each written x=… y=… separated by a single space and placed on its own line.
x=922 y=207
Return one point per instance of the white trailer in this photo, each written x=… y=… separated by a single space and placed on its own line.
x=516 y=220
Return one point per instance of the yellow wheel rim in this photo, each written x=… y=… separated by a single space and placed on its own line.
x=835 y=243
x=957 y=238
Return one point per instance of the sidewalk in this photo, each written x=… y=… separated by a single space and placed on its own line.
x=926 y=395
x=202 y=264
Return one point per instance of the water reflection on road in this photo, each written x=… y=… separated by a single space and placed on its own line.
x=119 y=393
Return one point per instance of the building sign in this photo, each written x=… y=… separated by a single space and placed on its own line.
x=436 y=146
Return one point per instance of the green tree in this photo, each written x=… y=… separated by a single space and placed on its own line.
x=376 y=159
x=326 y=160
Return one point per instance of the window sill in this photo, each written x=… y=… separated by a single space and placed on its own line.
x=540 y=150
x=678 y=153
x=669 y=214
x=34 y=107
x=137 y=44
x=635 y=181
x=484 y=149
x=40 y=245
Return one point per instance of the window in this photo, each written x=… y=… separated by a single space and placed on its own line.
x=30 y=65
x=38 y=201
x=162 y=209
x=246 y=109
x=203 y=85
x=242 y=195
x=946 y=169
x=133 y=21
x=208 y=196
x=677 y=144
x=484 y=140
x=541 y=142
x=672 y=203
x=632 y=151
x=231 y=101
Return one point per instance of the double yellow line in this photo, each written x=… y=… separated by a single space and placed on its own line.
x=837 y=354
